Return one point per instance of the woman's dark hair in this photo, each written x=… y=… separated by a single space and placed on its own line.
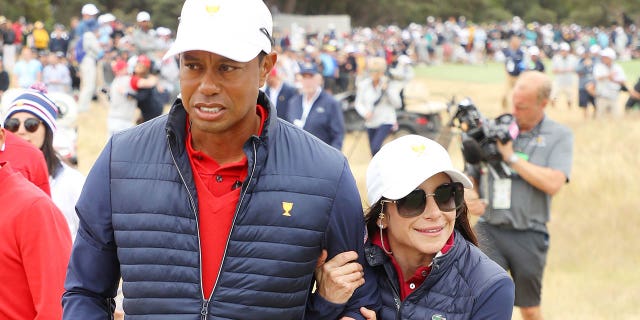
x=462 y=223
x=50 y=155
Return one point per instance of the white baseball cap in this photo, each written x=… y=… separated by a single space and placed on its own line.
x=238 y=30
x=404 y=163
x=565 y=46
x=534 y=51
x=90 y=9
x=608 y=53
x=143 y=16
x=163 y=31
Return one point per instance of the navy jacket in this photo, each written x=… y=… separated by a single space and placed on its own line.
x=325 y=120
x=139 y=220
x=463 y=284
x=286 y=93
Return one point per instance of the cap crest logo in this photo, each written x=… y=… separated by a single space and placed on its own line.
x=418 y=149
x=211 y=9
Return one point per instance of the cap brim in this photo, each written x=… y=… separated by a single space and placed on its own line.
x=239 y=51
x=399 y=191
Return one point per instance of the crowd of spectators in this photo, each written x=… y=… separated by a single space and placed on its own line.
x=340 y=57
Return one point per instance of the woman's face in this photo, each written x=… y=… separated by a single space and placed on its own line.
x=424 y=235
x=36 y=138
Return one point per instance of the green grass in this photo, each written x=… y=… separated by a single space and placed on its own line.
x=488 y=73
x=493 y=72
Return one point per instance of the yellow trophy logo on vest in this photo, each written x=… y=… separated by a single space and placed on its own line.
x=287 y=206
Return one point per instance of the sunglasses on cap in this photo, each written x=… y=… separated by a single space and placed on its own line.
x=448 y=197
x=30 y=124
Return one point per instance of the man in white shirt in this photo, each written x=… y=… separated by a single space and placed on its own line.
x=609 y=77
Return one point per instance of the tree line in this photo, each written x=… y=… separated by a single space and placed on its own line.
x=362 y=12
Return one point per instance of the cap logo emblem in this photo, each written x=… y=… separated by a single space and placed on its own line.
x=212 y=8
x=287 y=206
x=419 y=149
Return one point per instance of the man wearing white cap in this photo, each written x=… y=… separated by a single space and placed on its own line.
x=609 y=77
x=563 y=66
x=218 y=210
x=144 y=36
x=89 y=12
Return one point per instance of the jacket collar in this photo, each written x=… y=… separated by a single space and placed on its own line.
x=376 y=257
x=177 y=119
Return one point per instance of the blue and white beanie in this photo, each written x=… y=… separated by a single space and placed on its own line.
x=37 y=103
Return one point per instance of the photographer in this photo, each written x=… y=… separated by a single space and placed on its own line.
x=514 y=210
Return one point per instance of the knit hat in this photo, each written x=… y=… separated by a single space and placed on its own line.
x=37 y=103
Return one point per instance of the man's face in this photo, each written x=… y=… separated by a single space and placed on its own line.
x=310 y=83
x=220 y=94
x=526 y=108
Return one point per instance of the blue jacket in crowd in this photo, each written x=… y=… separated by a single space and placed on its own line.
x=463 y=284
x=284 y=95
x=139 y=221
x=325 y=120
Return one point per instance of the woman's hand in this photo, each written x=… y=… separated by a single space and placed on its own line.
x=339 y=277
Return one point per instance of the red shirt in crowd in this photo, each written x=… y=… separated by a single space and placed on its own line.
x=26 y=159
x=35 y=245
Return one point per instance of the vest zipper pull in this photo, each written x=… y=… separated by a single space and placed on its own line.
x=205 y=310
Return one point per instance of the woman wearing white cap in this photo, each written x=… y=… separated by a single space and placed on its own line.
x=32 y=116
x=421 y=243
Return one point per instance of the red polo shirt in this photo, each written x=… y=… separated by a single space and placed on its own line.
x=218 y=189
x=407 y=287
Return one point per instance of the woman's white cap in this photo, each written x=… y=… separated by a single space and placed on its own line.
x=404 y=163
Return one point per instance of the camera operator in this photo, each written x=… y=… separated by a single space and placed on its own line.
x=514 y=210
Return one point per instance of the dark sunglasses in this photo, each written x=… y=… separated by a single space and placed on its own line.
x=30 y=124
x=448 y=197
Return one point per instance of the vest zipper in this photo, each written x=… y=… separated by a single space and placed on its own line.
x=205 y=310
x=205 y=302
x=235 y=216
x=396 y=292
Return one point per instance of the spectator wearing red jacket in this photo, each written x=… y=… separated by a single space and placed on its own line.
x=35 y=245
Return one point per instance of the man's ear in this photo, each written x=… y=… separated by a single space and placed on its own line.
x=268 y=62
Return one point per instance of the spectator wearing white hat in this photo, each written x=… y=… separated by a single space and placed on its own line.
x=144 y=36
x=586 y=83
x=564 y=68
x=87 y=53
x=535 y=62
x=609 y=77
x=89 y=12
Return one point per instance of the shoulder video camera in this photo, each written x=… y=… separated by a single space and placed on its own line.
x=480 y=135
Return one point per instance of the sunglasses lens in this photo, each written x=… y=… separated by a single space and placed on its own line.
x=31 y=124
x=413 y=204
x=12 y=125
x=449 y=196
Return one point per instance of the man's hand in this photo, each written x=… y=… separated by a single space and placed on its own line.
x=506 y=149
x=339 y=277
x=366 y=313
